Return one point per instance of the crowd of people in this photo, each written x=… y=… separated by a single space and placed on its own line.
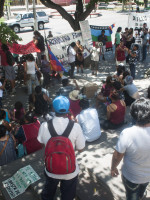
x=70 y=117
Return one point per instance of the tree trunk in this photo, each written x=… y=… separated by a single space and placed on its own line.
x=79 y=14
x=2 y=8
x=145 y=3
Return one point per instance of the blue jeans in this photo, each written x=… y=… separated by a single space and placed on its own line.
x=32 y=82
x=134 y=191
x=67 y=188
x=132 y=70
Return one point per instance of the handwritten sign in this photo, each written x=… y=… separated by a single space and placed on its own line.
x=20 y=181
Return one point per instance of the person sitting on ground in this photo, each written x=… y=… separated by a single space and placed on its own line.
x=74 y=103
x=89 y=121
x=18 y=112
x=28 y=132
x=130 y=91
x=41 y=101
x=115 y=112
x=107 y=87
x=66 y=89
x=7 y=147
x=2 y=87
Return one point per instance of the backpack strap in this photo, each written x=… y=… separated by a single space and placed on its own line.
x=65 y=133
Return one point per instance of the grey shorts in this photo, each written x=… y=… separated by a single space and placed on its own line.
x=9 y=73
x=94 y=65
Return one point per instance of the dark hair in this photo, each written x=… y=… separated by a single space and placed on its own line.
x=2 y=131
x=65 y=82
x=30 y=57
x=30 y=117
x=18 y=107
x=79 y=41
x=73 y=44
x=37 y=33
x=119 y=29
x=108 y=80
x=126 y=29
x=42 y=57
x=103 y=31
x=126 y=73
x=120 y=70
x=136 y=45
x=2 y=114
x=131 y=31
x=84 y=103
x=140 y=111
x=117 y=85
x=115 y=95
x=38 y=89
x=148 y=92
x=9 y=56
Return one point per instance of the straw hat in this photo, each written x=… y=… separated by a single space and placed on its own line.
x=74 y=95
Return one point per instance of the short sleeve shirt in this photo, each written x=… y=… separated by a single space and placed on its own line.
x=76 y=137
x=134 y=143
x=117 y=37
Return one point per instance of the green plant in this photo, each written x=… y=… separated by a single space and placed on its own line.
x=7 y=35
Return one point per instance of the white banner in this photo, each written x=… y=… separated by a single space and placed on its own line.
x=136 y=20
x=20 y=181
x=60 y=44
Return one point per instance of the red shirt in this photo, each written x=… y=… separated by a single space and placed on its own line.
x=3 y=58
x=74 y=107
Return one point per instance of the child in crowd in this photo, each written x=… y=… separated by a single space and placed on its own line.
x=2 y=87
x=19 y=112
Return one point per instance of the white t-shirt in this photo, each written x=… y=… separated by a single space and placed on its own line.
x=72 y=55
x=89 y=122
x=95 y=52
x=30 y=67
x=1 y=91
x=135 y=143
x=76 y=137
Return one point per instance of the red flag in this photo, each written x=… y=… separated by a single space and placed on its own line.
x=23 y=49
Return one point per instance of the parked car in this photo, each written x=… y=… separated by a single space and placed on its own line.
x=26 y=19
x=102 y=5
x=111 y=5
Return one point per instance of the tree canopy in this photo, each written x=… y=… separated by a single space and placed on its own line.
x=79 y=15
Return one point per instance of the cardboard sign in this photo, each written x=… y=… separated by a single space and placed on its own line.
x=20 y=181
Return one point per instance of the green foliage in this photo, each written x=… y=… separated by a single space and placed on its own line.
x=7 y=35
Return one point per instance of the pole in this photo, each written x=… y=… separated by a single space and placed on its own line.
x=35 y=18
x=27 y=5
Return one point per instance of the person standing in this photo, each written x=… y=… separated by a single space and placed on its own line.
x=133 y=147
x=30 y=67
x=117 y=36
x=71 y=52
x=103 y=38
x=39 y=42
x=57 y=127
x=145 y=42
x=79 y=56
x=133 y=58
x=7 y=62
x=95 y=51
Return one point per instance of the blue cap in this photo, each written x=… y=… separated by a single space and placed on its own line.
x=61 y=104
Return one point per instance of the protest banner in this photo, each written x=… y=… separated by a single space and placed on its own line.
x=60 y=44
x=20 y=181
x=86 y=32
x=96 y=31
x=136 y=20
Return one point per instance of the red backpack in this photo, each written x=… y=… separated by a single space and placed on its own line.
x=59 y=151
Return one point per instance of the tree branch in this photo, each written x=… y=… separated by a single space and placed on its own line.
x=89 y=9
x=61 y=10
x=1 y=8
